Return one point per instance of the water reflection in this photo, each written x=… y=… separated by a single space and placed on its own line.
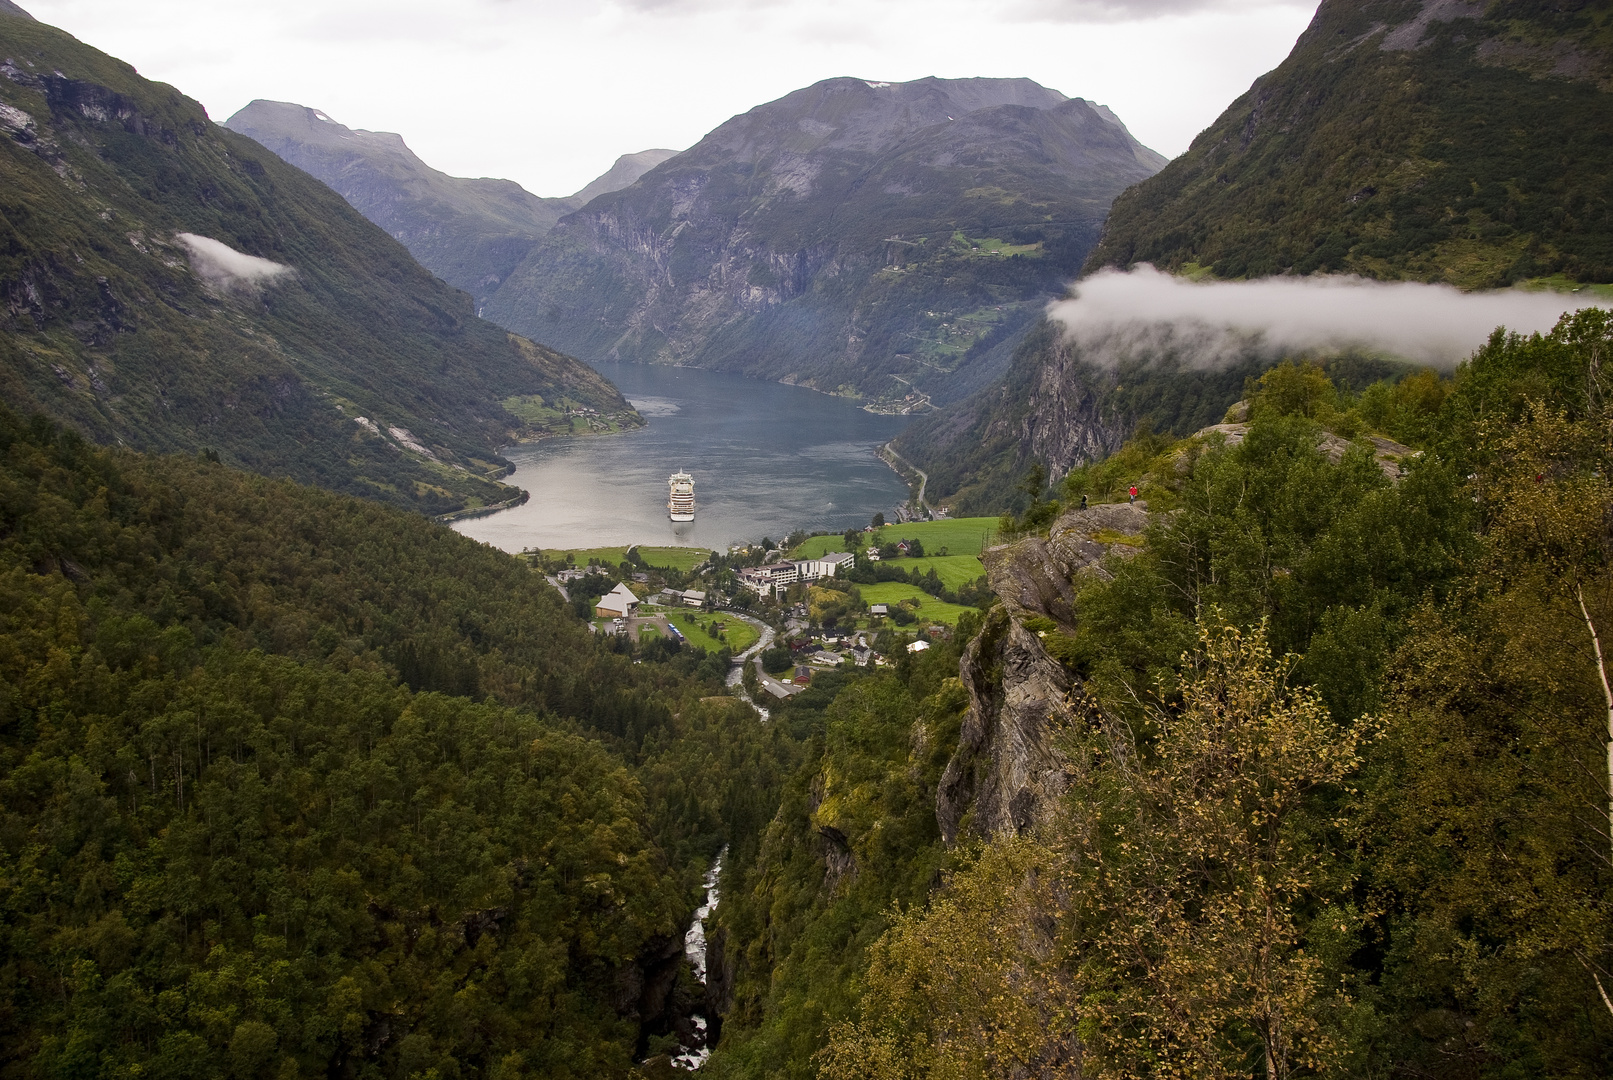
x=766 y=458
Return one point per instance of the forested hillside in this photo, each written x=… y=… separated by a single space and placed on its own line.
x=1470 y=143
x=298 y=784
x=1453 y=142
x=1298 y=767
x=170 y=285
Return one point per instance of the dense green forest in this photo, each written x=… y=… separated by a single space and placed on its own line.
x=116 y=326
x=1338 y=773
x=293 y=783
x=1466 y=144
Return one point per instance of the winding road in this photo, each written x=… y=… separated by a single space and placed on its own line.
x=924 y=477
x=753 y=655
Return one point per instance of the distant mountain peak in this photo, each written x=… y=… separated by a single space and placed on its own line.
x=857 y=236
x=469 y=232
x=8 y=8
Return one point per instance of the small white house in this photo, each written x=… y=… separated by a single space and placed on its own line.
x=878 y=609
x=694 y=598
x=619 y=603
x=917 y=646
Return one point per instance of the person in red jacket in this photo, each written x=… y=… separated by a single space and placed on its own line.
x=1134 y=493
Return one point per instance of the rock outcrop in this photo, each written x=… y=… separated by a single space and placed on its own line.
x=1008 y=770
x=1386 y=452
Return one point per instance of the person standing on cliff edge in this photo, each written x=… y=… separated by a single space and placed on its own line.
x=1134 y=493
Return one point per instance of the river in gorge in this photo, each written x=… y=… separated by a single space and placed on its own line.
x=766 y=459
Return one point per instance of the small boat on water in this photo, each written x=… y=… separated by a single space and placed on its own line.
x=680 y=499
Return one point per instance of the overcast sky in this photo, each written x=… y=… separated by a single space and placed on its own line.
x=549 y=92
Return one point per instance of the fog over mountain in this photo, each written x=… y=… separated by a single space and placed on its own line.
x=1373 y=151
x=1116 y=316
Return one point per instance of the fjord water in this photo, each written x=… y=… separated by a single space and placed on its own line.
x=766 y=458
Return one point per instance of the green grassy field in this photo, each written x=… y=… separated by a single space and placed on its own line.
x=740 y=635
x=960 y=536
x=955 y=571
x=930 y=609
x=819 y=545
x=666 y=558
x=674 y=558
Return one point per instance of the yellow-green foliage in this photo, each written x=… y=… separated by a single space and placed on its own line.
x=865 y=795
x=1158 y=929
x=959 y=536
x=955 y=571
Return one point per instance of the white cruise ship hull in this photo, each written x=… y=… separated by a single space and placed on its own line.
x=681 y=516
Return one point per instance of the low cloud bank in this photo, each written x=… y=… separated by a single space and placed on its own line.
x=228 y=270
x=1118 y=315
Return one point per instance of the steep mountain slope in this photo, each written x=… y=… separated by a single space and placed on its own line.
x=1055 y=407
x=1445 y=140
x=1438 y=141
x=171 y=285
x=852 y=236
x=469 y=232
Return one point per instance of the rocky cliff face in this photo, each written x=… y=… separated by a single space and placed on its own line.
x=1050 y=407
x=469 y=232
x=1008 y=768
x=852 y=236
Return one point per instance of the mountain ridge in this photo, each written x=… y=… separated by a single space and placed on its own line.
x=1370 y=150
x=1373 y=149
x=172 y=286
x=469 y=231
x=857 y=237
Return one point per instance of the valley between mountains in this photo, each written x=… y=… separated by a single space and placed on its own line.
x=1229 y=699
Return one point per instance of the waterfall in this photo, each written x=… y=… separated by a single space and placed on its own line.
x=694 y=947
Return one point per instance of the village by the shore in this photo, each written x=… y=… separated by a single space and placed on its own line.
x=781 y=614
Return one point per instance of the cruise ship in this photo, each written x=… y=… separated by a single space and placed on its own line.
x=680 y=500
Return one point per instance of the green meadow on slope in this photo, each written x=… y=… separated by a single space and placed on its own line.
x=115 y=326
